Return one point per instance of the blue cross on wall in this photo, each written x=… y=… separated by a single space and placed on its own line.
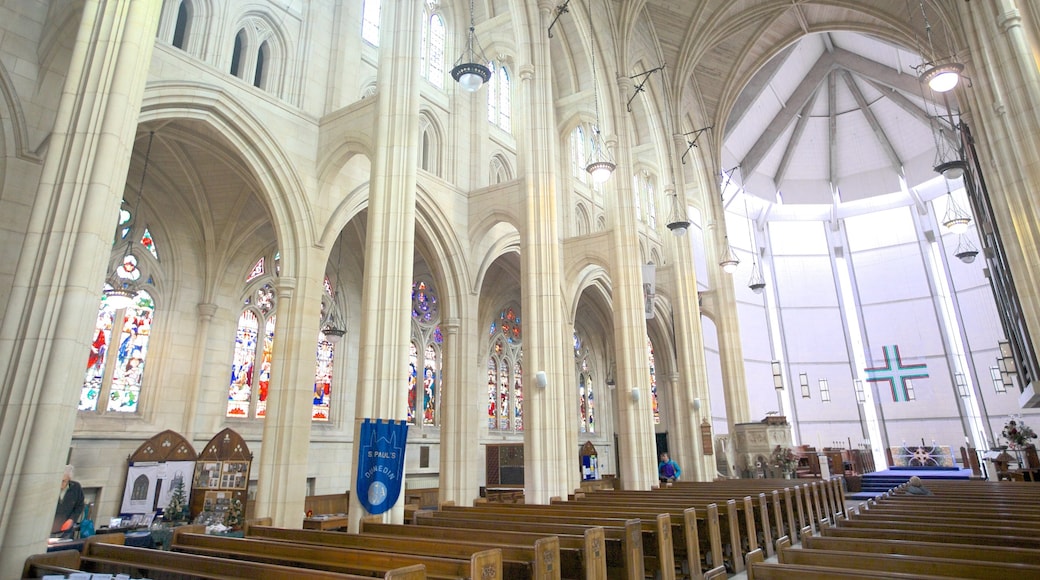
x=897 y=373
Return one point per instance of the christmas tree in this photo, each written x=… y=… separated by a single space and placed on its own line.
x=176 y=510
x=233 y=517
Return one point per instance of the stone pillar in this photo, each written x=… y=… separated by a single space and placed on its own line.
x=206 y=312
x=548 y=460
x=390 y=236
x=459 y=413
x=282 y=479
x=54 y=300
x=638 y=449
x=689 y=340
x=731 y=353
x=1002 y=111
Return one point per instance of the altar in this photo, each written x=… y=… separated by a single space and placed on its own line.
x=922 y=456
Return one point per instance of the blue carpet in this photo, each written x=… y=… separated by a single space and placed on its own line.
x=877 y=483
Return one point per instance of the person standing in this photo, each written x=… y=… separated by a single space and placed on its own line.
x=70 y=506
x=668 y=470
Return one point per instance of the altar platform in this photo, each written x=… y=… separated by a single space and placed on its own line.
x=877 y=483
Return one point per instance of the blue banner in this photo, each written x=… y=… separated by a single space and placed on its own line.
x=380 y=464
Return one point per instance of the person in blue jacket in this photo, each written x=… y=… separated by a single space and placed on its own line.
x=667 y=469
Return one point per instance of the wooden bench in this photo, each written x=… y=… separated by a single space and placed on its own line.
x=114 y=559
x=658 y=529
x=959 y=551
x=332 y=503
x=63 y=562
x=759 y=569
x=582 y=556
x=485 y=564
x=624 y=543
x=908 y=564
x=539 y=559
x=424 y=497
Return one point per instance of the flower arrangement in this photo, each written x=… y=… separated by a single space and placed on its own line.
x=1017 y=433
x=784 y=459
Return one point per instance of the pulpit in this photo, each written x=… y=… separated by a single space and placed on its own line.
x=753 y=443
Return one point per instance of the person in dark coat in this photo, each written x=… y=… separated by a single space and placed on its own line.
x=916 y=487
x=70 y=506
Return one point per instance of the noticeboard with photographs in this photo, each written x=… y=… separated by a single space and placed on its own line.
x=207 y=474
x=235 y=475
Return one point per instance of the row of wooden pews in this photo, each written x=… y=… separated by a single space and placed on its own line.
x=967 y=529
x=111 y=557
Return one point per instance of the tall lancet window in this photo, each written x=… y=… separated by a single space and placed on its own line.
x=505 y=373
x=326 y=355
x=424 y=362
x=254 y=347
x=586 y=394
x=579 y=153
x=116 y=375
x=500 y=97
x=653 y=380
x=370 y=22
x=433 y=38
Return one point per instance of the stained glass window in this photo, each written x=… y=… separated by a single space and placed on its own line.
x=505 y=373
x=586 y=393
x=257 y=271
x=254 y=341
x=653 y=380
x=425 y=356
x=149 y=243
x=263 y=382
x=119 y=341
x=242 y=367
x=323 y=379
x=370 y=22
x=130 y=356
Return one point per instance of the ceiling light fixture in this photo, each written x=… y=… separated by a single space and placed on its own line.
x=756 y=283
x=678 y=222
x=470 y=70
x=601 y=166
x=966 y=251
x=943 y=74
x=955 y=219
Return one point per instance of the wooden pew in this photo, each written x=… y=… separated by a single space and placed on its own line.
x=63 y=562
x=908 y=564
x=997 y=539
x=114 y=558
x=737 y=525
x=958 y=551
x=624 y=542
x=658 y=529
x=759 y=569
x=539 y=560
x=485 y=564
x=582 y=556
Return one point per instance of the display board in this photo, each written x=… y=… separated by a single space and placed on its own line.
x=221 y=475
x=152 y=472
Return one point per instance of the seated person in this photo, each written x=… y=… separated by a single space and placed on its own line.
x=916 y=487
x=69 y=508
x=667 y=470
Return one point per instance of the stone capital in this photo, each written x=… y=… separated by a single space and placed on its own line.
x=206 y=311
x=286 y=287
x=1009 y=19
x=526 y=72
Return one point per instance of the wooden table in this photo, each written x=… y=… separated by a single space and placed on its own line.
x=328 y=522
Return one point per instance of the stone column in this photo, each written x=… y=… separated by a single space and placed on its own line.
x=282 y=479
x=460 y=410
x=727 y=324
x=548 y=460
x=637 y=446
x=54 y=300
x=206 y=312
x=390 y=236
x=1003 y=106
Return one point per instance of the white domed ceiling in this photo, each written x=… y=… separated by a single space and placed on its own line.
x=836 y=117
